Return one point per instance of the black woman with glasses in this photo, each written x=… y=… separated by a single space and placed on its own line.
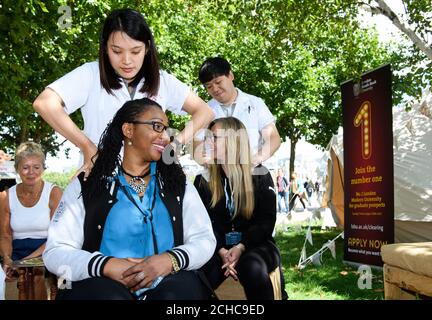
x=135 y=228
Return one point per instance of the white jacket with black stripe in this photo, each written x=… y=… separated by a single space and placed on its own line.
x=74 y=236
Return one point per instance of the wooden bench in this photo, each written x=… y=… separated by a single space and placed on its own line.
x=407 y=270
x=233 y=290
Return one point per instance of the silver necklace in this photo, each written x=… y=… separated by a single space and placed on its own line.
x=137 y=183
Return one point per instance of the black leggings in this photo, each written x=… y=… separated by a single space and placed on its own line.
x=253 y=270
x=292 y=202
x=184 y=285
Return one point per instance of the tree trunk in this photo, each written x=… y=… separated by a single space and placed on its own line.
x=385 y=10
x=23 y=135
x=293 y=143
x=292 y=156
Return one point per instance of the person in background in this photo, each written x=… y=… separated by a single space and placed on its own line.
x=135 y=229
x=127 y=69
x=8 y=182
x=318 y=191
x=242 y=208
x=317 y=186
x=283 y=190
x=4 y=156
x=297 y=190
x=26 y=210
x=228 y=101
x=309 y=189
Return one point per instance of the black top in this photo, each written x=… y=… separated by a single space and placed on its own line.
x=254 y=231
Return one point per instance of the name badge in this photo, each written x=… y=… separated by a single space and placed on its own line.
x=232 y=238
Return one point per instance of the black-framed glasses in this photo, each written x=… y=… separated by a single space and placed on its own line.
x=157 y=125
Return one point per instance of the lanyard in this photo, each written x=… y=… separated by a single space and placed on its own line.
x=131 y=93
x=229 y=202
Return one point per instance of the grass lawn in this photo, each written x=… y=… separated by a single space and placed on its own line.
x=333 y=280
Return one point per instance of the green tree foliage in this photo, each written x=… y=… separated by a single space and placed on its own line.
x=34 y=51
x=296 y=56
x=59 y=179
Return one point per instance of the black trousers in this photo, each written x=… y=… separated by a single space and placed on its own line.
x=184 y=285
x=253 y=270
x=292 y=202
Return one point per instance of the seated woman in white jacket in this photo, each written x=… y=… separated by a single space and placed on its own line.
x=135 y=229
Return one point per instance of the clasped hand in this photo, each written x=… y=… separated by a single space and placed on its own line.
x=229 y=261
x=138 y=273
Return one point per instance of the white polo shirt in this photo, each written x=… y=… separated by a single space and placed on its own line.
x=81 y=89
x=250 y=110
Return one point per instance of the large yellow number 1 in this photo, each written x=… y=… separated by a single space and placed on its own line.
x=364 y=118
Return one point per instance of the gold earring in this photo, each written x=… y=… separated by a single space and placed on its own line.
x=129 y=143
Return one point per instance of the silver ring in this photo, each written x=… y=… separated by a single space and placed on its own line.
x=140 y=275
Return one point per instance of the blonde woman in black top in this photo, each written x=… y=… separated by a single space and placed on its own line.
x=241 y=202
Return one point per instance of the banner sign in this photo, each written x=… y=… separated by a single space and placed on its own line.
x=368 y=166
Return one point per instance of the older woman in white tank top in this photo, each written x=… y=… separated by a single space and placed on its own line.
x=26 y=208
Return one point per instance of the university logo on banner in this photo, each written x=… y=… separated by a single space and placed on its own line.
x=368 y=166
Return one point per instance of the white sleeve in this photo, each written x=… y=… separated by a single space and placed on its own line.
x=74 y=87
x=265 y=116
x=176 y=92
x=63 y=255
x=199 y=240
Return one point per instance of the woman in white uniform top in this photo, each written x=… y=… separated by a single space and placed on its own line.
x=128 y=69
